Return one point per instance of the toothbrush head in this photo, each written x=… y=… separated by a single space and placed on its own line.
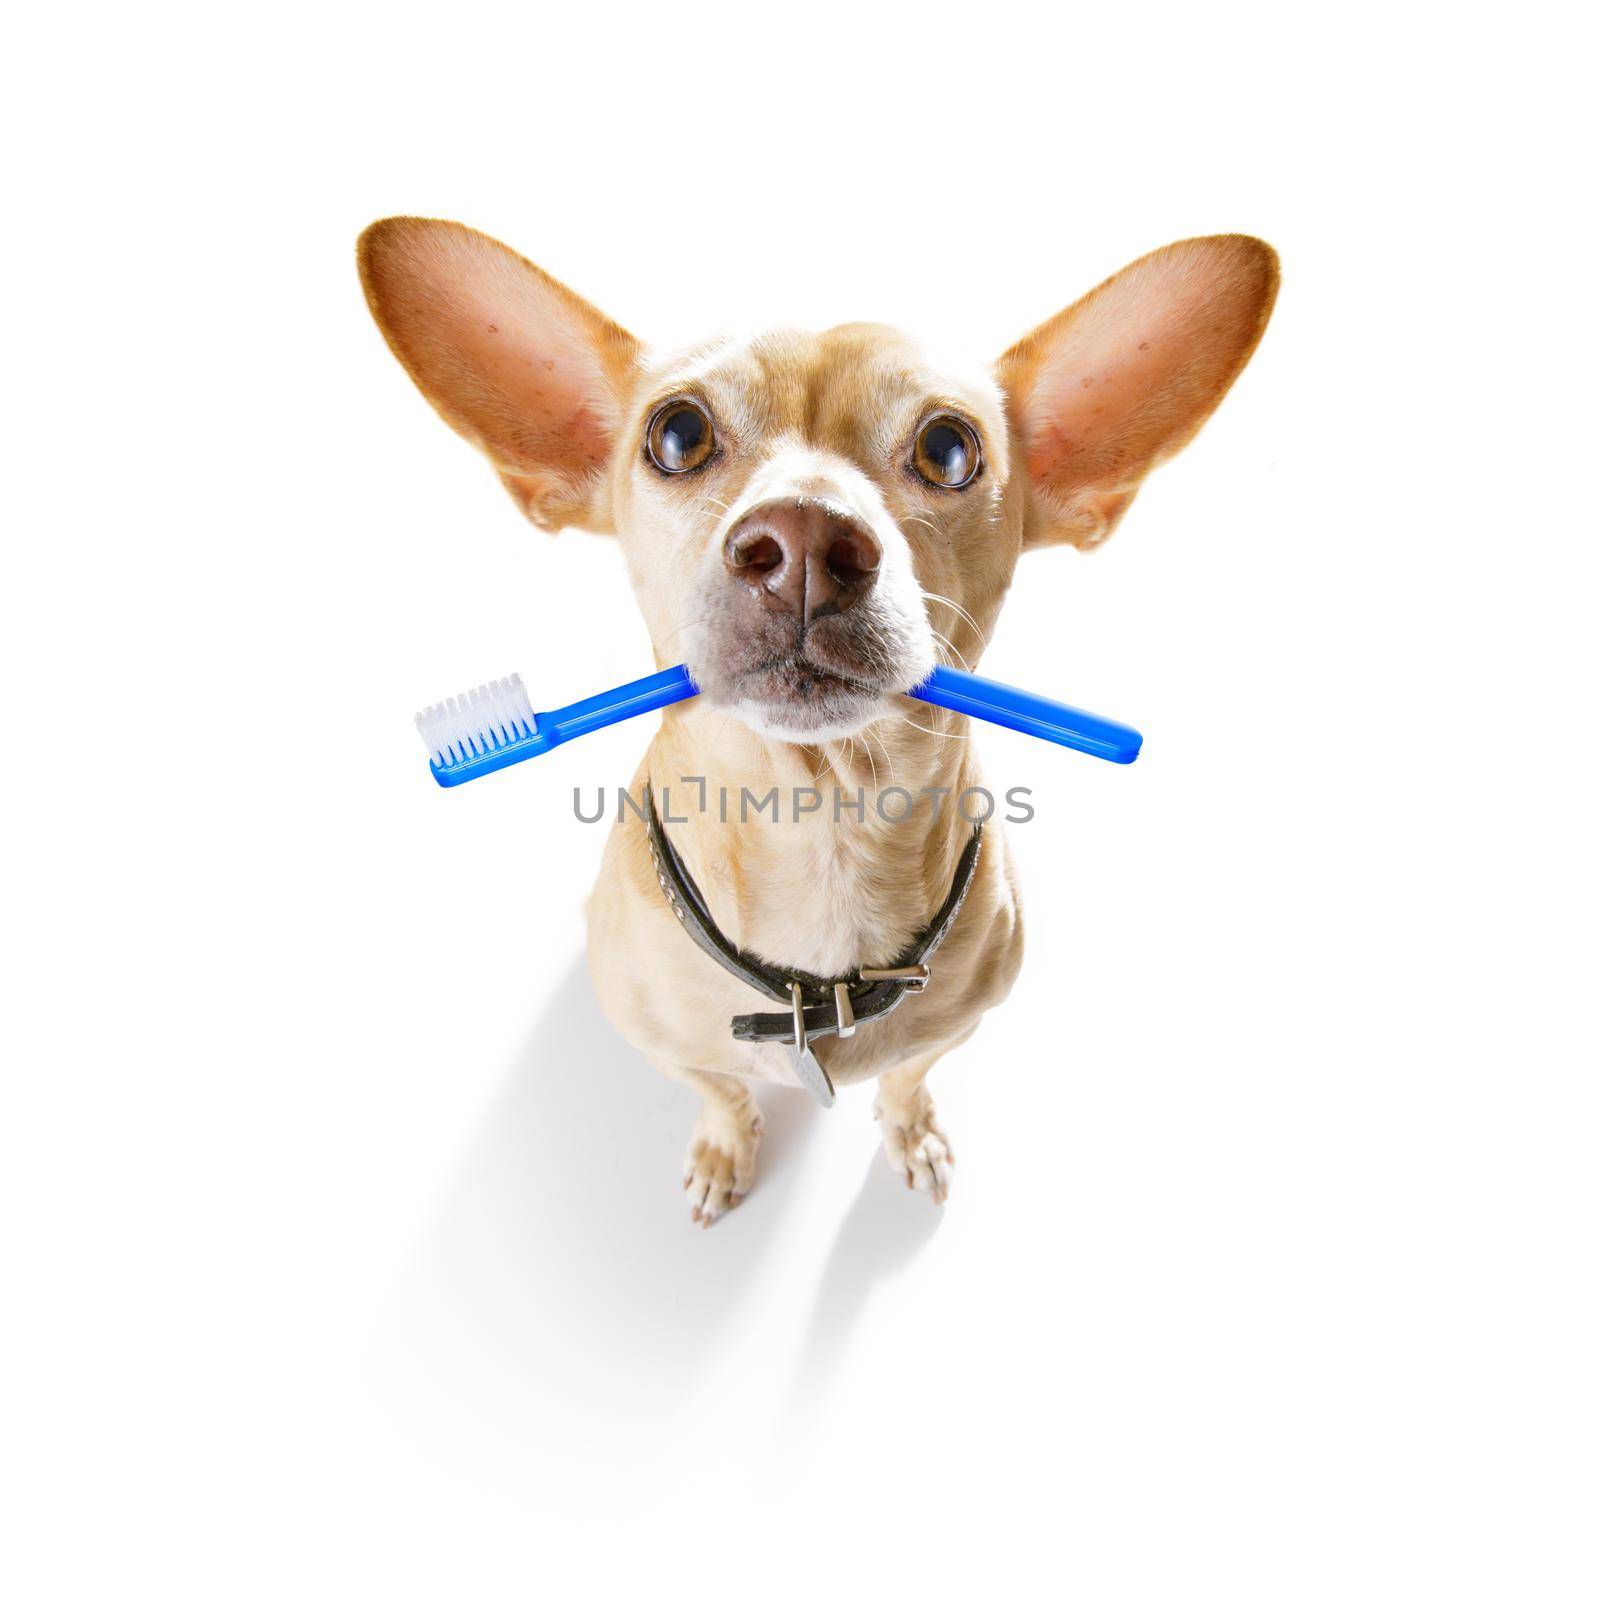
x=490 y=727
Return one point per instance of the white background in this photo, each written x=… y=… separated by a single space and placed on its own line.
x=344 y=1249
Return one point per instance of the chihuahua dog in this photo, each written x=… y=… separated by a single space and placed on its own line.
x=812 y=521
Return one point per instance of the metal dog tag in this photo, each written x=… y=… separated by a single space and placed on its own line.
x=807 y=1068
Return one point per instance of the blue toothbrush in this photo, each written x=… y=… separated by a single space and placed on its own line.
x=495 y=726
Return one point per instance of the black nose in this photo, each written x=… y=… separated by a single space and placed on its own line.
x=802 y=556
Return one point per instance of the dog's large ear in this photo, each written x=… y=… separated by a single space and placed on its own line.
x=1121 y=381
x=515 y=362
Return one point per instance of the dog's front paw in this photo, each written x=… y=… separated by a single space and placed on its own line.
x=721 y=1164
x=915 y=1144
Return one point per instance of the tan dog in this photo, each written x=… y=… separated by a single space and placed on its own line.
x=810 y=522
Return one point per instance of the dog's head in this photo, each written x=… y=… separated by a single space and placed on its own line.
x=812 y=520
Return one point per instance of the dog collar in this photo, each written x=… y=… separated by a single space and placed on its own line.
x=817 y=1005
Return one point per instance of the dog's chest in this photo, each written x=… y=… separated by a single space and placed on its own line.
x=830 y=899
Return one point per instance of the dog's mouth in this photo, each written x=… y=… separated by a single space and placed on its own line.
x=802 y=691
x=822 y=682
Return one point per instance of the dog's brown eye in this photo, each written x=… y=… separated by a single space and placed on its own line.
x=946 y=453
x=680 y=437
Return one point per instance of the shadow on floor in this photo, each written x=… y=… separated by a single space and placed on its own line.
x=561 y=1250
x=884 y=1229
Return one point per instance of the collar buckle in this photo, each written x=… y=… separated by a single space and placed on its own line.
x=915 y=978
x=843 y=1010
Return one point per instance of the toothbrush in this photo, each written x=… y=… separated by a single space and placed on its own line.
x=495 y=725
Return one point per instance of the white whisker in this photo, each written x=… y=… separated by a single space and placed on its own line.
x=692 y=622
x=883 y=745
x=866 y=749
x=961 y=611
x=934 y=731
x=950 y=647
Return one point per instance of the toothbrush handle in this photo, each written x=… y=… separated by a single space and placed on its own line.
x=1029 y=713
x=617 y=705
x=946 y=686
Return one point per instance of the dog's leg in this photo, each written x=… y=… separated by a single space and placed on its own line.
x=913 y=1141
x=721 y=1164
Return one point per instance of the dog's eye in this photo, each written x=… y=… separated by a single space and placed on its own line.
x=680 y=437
x=946 y=454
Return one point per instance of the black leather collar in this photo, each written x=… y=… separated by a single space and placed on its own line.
x=816 y=1005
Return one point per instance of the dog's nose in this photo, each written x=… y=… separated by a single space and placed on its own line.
x=803 y=556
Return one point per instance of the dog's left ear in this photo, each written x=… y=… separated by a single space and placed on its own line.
x=515 y=362
x=1121 y=381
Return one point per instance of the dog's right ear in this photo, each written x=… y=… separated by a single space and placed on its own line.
x=515 y=362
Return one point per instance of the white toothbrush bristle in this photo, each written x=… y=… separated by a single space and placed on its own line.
x=486 y=718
